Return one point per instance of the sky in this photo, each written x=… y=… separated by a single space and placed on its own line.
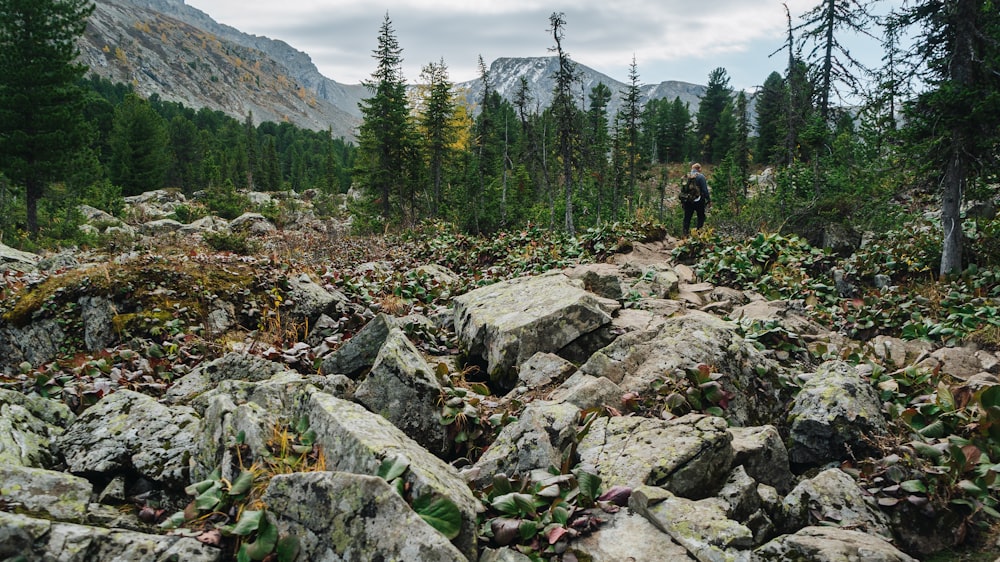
x=668 y=39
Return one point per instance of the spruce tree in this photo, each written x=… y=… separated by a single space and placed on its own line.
x=140 y=156
x=565 y=114
x=770 y=111
x=42 y=125
x=385 y=138
x=438 y=127
x=710 y=112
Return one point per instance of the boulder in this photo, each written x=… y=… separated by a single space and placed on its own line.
x=402 y=388
x=25 y=538
x=131 y=431
x=343 y=516
x=837 y=413
x=359 y=441
x=831 y=544
x=231 y=366
x=160 y=227
x=586 y=392
x=358 y=354
x=602 y=279
x=37 y=343
x=639 y=361
x=534 y=441
x=309 y=299
x=543 y=369
x=701 y=527
x=762 y=453
x=98 y=330
x=12 y=259
x=626 y=535
x=508 y=322
x=28 y=425
x=45 y=493
x=832 y=497
x=689 y=456
x=252 y=223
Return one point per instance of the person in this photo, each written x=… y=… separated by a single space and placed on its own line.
x=700 y=204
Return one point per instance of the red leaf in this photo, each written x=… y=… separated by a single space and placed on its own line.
x=555 y=534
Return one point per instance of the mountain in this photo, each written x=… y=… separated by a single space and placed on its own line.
x=505 y=77
x=178 y=52
x=168 y=48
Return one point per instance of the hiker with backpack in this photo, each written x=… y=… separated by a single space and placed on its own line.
x=694 y=197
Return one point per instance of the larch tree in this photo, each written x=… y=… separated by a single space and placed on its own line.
x=42 y=124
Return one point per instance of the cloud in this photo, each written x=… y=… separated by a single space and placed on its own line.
x=669 y=39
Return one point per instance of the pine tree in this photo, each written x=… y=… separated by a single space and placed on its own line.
x=631 y=112
x=42 y=126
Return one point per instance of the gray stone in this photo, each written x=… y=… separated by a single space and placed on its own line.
x=362 y=440
x=358 y=354
x=252 y=223
x=542 y=369
x=603 y=279
x=639 y=361
x=833 y=497
x=836 y=413
x=98 y=331
x=128 y=430
x=28 y=425
x=350 y=517
x=45 y=493
x=701 y=527
x=160 y=227
x=830 y=544
x=587 y=392
x=627 y=536
x=37 y=343
x=762 y=453
x=690 y=456
x=402 y=388
x=39 y=539
x=231 y=366
x=508 y=322
x=12 y=259
x=534 y=441
x=309 y=299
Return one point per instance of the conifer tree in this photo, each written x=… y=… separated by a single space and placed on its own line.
x=565 y=114
x=385 y=138
x=710 y=112
x=437 y=127
x=140 y=156
x=42 y=126
x=770 y=120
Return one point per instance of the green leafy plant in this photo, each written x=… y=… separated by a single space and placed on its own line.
x=438 y=511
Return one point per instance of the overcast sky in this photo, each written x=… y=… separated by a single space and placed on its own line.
x=670 y=39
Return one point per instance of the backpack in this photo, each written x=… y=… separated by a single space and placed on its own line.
x=690 y=190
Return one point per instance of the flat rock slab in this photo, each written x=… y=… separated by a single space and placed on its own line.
x=831 y=544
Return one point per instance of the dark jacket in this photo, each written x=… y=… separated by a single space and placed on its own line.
x=706 y=197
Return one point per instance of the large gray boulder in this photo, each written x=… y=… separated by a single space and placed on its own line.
x=762 y=453
x=638 y=362
x=358 y=441
x=309 y=299
x=28 y=426
x=350 y=517
x=831 y=544
x=626 y=535
x=402 y=388
x=508 y=322
x=26 y=538
x=689 y=456
x=127 y=430
x=37 y=343
x=836 y=413
x=231 y=366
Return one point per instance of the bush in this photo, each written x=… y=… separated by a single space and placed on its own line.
x=230 y=242
x=225 y=202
